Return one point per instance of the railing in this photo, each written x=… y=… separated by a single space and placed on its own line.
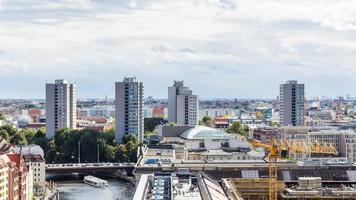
x=91 y=165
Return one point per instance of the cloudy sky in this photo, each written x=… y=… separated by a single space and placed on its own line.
x=220 y=48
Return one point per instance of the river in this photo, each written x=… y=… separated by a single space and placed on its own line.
x=73 y=188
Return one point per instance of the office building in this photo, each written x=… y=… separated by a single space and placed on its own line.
x=129 y=100
x=291 y=104
x=182 y=105
x=61 y=111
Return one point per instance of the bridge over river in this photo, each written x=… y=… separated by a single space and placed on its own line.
x=89 y=168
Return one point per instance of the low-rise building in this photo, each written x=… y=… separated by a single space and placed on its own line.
x=198 y=143
x=265 y=133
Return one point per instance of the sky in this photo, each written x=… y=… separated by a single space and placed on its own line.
x=220 y=48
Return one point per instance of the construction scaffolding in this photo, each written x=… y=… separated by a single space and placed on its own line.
x=250 y=188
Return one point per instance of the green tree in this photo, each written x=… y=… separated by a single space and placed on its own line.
x=63 y=148
x=121 y=153
x=109 y=137
x=19 y=139
x=235 y=127
x=207 y=121
x=132 y=151
x=29 y=134
x=129 y=137
x=150 y=124
x=238 y=128
x=61 y=136
x=10 y=129
x=2 y=116
x=41 y=140
x=131 y=144
x=5 y=135
x=246 y=128
x=51 y=153
x=109 y=153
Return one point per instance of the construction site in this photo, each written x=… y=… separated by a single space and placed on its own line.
x=306 y=188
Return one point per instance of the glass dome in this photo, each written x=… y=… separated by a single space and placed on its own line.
x=203 y=132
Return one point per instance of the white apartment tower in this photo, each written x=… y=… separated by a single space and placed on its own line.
x=129 y=99
x=182 y=105
x=291 y=104
x=61 y=106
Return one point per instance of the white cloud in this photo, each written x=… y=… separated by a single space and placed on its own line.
x=237 y=45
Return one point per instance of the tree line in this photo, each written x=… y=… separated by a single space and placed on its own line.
x=64 y=146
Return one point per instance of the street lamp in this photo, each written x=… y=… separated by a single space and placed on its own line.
x=97 y=150
x=79 y=151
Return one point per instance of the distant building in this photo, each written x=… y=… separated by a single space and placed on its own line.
x=266 y=133
x=182 y=105
x=100 y=127
x=129 y=99
x=35 y=114
x=61 y=106
x=36 y=126
x=291 y=104
x=221 y=123
x=158 y=111
x=216 y=112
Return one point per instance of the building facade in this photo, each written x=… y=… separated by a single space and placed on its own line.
x=129 y=98
x=60 y=106
x=20 y=179
x=37 y=165
x=291 y=105
x=343 y=141
x=183 y=106
x=4 y=177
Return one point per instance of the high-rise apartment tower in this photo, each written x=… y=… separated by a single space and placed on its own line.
x=182 y=105
x=129 y=97
x=291 y=104
x=61 y=106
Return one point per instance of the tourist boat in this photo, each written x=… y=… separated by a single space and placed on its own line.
x=336 y=161
x=96 y=182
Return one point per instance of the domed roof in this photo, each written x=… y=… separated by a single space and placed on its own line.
x=204 y=132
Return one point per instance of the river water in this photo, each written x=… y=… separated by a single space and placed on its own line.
x=72 y=188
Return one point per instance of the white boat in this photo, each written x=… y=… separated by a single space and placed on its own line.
x=336 y=162
x=96 y=182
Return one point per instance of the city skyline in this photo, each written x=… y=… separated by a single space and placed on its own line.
x=177 y=99
x=96 y=43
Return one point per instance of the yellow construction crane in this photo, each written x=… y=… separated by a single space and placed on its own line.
x=277 y=149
